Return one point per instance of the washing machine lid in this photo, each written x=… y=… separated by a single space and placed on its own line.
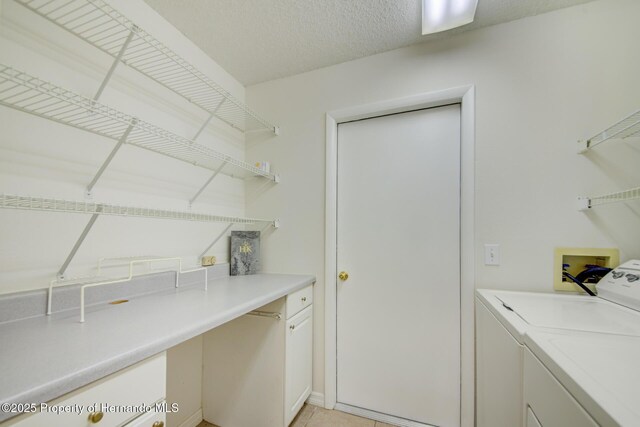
x=572 y=312
x=600 y=371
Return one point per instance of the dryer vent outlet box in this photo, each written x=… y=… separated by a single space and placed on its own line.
x=578 y=259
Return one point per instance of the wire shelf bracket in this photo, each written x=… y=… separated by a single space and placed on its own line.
x=206 y=184
x=586 y=202
x=29 y=94
x=115 y=63
x=203 y=127
x=77 y=245
x=218 y=237
x=102 y=26
x=109 y=158
x=625 y=128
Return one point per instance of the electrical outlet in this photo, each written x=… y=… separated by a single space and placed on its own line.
x=492 y=254
x=208 y=261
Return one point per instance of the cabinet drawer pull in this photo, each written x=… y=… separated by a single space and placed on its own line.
x=96 y=417
x=158 y=424
x=292 y=327
x=304 y=299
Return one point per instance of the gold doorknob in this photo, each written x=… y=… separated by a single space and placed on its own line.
x=343 y=275
x=158 y=424
x=96 y=417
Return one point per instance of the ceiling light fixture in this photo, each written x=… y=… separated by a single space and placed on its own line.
x=442 y=15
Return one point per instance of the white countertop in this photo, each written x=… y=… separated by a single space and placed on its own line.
x=45 y=357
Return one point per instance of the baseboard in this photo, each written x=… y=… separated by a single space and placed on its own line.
x=377 y=416
x=193 y=420
x=316 y=399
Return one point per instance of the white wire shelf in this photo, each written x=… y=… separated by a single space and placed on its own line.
x=29 y=94
x=587 y=202
x=625 y=128
x=8 y=201
x=108 y=30
x=98 y=280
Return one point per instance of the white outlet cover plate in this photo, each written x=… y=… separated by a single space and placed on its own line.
x=491 y=254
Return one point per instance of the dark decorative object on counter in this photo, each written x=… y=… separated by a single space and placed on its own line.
x=245 y=252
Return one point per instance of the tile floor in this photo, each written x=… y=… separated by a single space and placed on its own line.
x=314 y=416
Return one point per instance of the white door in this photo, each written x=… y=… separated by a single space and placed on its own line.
x=398 y=313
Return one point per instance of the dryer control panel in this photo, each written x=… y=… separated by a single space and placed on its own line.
x=622 y=285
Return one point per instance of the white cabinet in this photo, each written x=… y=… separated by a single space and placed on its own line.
x=126 y=392
x=257 y=369
x=548 y=403
x=299 y=343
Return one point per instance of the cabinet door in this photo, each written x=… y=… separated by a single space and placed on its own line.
x=299 y=345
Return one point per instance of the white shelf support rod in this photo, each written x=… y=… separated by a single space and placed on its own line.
x=83 y=236
x=274 y=224
x=108 y=160
x=217 y=171
x=206 y=123
x=224 y=232
x=114 y=64
x=203 y=127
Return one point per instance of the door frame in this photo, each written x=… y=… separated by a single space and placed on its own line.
x=465 y=96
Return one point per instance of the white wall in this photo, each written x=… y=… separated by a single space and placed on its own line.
x=542 y=83
x=45 y=159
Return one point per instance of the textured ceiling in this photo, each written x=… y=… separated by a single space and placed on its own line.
x=261 y=40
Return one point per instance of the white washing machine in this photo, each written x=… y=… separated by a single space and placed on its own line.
x=510 y=324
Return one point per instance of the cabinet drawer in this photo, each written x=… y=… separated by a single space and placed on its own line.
x=141 y=384
x=299 y=300
x=150 y=419
x=547 y=398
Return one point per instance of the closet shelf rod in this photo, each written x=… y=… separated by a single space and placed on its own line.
x=271 y=314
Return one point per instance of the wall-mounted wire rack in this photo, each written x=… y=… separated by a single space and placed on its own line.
x=99 y=24
x=99 y=280
x=29 y=94
x=587 y=202
x=625 y=128
x=95 y=209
